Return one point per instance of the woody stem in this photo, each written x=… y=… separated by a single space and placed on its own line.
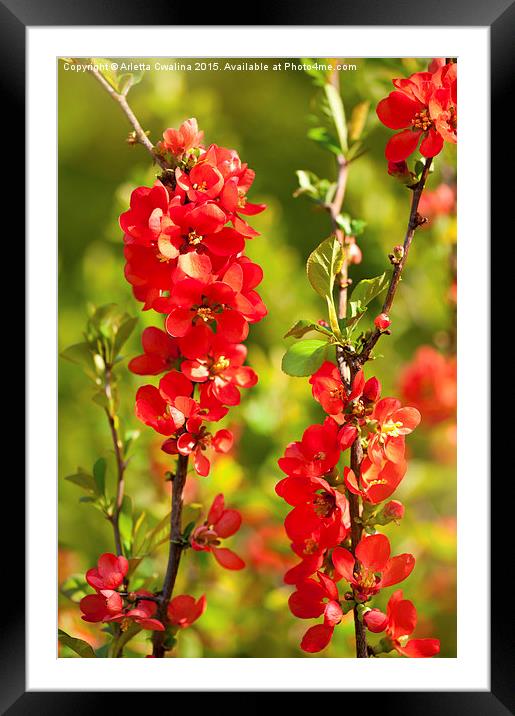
x=175 y=551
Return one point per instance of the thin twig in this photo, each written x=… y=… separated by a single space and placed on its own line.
x=141 y=135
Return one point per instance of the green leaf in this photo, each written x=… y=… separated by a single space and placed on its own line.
x=369 y=288
x=358 y=120
x=125 y=523
x=357 y=226
x=79 y=646
x=322 y=136
x=82 y=355
x=84 y=480
x=323 y=264
x=338 y=115
x=303 y=326
x=75 y=588
x=122 y=334
x=305 y=357
x=99 y=473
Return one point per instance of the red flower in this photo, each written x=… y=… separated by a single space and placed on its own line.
x=424 y=106
x=109 y=572
x=166 y=409
x=329 y=391
x=221 y=371
x=101 y=606
x=320 y=512
x=142 y=614
x=183 y=610
x=160 y=353
x=400 y=621
x=202 y=183
x=377 y=482
x=220 y=523
x=179 y=141
x=392 y=423
x=195 y=440
x=142 y=222
x=376 y=569
x=201 y=305
x=314 y=599
x=315 y=455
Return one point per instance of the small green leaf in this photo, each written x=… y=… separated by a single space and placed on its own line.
x=122 y=334
x=82 y=355
x=79 y=646
x=303 y=326
x=305 y=357
x=322 y=136
x=125 y=523
x=369 y=288
x=99 y=473
x=84 y=480
x=338 y=115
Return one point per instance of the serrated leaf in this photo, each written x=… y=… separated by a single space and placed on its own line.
x=305 y=357
x=338 y=115
x=79 y=646
x=299 y=329
x=358 y=120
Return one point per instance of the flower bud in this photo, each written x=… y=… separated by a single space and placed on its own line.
x=382 y=321
x=375 y=620
x=323 y=323
x=398 y=251
x=394 y=510
x=400 y=171
x=372 y=390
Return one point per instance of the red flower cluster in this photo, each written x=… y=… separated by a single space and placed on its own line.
x=423 y=106
x=109 y=605
x=319 y=523
x=184 y=249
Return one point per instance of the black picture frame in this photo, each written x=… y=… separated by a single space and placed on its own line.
x=499 y=16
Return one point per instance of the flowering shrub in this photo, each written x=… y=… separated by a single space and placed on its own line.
x=184 y=243
x=340 y=475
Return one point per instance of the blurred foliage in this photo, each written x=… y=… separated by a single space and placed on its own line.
x=266 y=117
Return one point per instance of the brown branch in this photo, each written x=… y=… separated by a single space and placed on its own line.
x=415 y=220
x=175 y=552
x=140 y=134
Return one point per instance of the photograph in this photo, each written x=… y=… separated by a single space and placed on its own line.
x=257 y=374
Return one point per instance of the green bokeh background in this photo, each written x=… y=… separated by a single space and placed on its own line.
x=264 y=115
